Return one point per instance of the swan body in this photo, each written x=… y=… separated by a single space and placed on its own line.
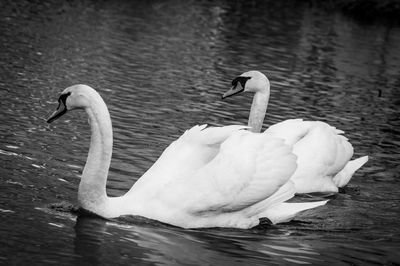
x=208 y=177
x=323 y=153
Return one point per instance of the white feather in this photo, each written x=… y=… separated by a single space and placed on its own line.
x=209 y=177
x=323 y=154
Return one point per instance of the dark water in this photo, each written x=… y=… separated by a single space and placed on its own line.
x=161 y=68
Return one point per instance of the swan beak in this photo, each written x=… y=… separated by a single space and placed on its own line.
x=61 y=109
x=234 y=90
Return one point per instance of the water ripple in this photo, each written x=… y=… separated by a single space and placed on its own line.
x=161 y=68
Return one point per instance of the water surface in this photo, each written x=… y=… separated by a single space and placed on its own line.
x=161 y=68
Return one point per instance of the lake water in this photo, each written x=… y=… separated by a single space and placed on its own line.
x=161 y=68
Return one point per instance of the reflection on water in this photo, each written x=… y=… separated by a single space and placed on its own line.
x=95 y=239
x=161 y=68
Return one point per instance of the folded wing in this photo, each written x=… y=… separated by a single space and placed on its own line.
x=322 y=153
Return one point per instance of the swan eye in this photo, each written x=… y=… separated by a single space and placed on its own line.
x=240 y=79
x=63 y=99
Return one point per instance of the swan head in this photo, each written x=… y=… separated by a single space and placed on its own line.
x=74 y=97
x=250 y=81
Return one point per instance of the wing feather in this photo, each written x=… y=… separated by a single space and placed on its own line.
x=186 y=155
x=321 y=150
x=248 y=169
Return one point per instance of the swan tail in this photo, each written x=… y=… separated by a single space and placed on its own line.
x=277 y=210
x=284 y=212
x=343 y=177
x=284 y=193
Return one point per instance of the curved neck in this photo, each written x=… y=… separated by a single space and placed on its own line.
x=258 y=110
x=92 y=194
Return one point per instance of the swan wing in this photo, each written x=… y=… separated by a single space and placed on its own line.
x=234 y=187
x=249 y=168
x=226 y=177
x=321 y=150
x=191 y=151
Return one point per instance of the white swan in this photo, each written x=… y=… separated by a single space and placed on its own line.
x=209 y=177
x=323 y=154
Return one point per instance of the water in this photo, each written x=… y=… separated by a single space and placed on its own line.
x=161 y=68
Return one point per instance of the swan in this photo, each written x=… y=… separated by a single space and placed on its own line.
x=323 y=153
x=208 y=177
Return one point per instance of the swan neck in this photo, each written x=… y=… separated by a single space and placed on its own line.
x=258 y=110
x=92 y=194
